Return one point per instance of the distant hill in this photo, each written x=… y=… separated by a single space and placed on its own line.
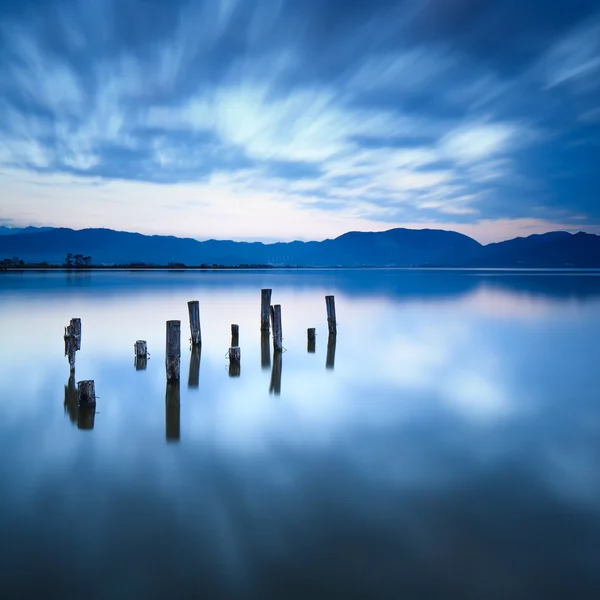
x=394 y=248
x=13 y=230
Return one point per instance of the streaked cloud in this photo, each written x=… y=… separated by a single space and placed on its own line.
x=378 y=114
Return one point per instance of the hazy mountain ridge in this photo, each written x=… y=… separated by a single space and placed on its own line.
x=395 y=247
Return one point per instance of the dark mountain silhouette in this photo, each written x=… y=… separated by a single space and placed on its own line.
x=396 y=247
x=13 y=230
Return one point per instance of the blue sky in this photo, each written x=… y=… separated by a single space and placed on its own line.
x=300 y=119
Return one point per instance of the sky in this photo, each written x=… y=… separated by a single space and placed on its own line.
x=300 y=119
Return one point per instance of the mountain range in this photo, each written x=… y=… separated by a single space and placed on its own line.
x=393 y=248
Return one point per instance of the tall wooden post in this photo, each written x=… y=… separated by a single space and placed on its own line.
x=265 y=304
x=172 y=411
x=194 y=312
x=331 y=321
x=311 y=340
x=85 y=417
x=235 y=356
x=173 y=350
x=76 y=332
x=277 y=333
x=265 y=351
x=235 y=335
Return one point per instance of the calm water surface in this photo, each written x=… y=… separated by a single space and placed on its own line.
x=448 y=446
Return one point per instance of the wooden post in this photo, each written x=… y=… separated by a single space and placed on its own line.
x=76 y=331
x=235 y=356
x=173 y=352
x=265 y=304
x=277 y=333
x=194 y=312
x=312 y=340
x=265 y=351
x=275 y=387
x=173 y=411
x=70 y=347
x=331 y=322
x=194 y=375
x=235 y=336
x=141 y=355
x=330 y=360
x=86 y=393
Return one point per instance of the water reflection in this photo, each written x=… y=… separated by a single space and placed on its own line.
x=71 y=400
x=331 y=342
x=265 y=350
x=140 y=362
x=275 y=387
x=173 y=411
x=86 y=416
x=194 y=374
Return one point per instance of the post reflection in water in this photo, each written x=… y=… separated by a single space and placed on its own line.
x=265 y=352
x=172 y=411
x=71 y=400
x=85 y=417
x=141 y=362
x=275 y=387
x=330 y=361
x=194 y=375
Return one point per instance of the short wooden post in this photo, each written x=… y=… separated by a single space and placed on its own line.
x=235 y=335
x=173 y=411
x=194 y=375
x=173 y=351
x=330 y=360
x=265 y=351
x=86 y=393
x=265 y=304
x=275 y=387
x=311 y=340
x=194 y=312
x=331 y=322
x=235 y=356
x=141 y=355
x=76 y=332
x=276 y=323
x=70 y=347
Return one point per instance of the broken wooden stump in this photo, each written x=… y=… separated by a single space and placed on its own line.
x=235 y=356
x=235 y=335
x=86 y=393
x=173 y=350
x=330 y=360
x=172 y=411
x=265 y=351
x=194 y=312
x=265 y=305
x=331 y=322
x=275 y=387
x=276 y=324
x=194 y=374
x=311 y=340
x=141 y=355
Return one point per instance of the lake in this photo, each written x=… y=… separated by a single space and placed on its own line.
x=448 y=446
